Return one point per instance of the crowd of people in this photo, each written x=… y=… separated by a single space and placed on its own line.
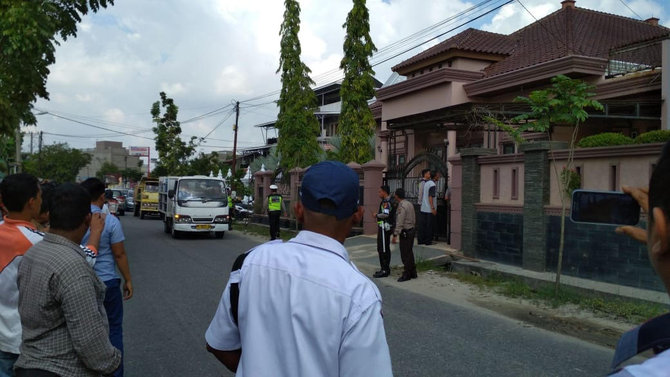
x=296 y=308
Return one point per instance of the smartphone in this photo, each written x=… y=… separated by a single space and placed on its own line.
x=604 y=207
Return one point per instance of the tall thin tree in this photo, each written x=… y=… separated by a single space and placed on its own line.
x=357 y=125
x=297 y=125
x=173 y=152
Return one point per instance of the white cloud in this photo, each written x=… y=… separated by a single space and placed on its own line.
x=205 y=54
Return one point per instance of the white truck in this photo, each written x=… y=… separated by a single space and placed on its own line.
x=193 y=204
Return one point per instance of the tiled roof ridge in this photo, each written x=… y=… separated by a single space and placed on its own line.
x=454 y=42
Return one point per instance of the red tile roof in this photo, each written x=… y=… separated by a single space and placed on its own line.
x=573 y=31
x=568 y=31
x=472 y=40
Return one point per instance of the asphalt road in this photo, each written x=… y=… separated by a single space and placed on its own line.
x=178 y=284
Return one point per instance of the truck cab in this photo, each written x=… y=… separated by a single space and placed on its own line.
x=146 y=197
x=193 y=204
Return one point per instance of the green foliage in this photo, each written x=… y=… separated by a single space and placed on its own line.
x=297 y=125
x=57 y=162
x=356 y=124
x=658 y=136
x=28 y=32
x=572 y=180
x=605 y=139
x=173 y=152
x=7 y=152
x=271 y=161
x=131 y=174
x=563 y=103
x=107 y=168
x=204 y=164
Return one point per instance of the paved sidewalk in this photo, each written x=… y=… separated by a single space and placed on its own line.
x=363 y=249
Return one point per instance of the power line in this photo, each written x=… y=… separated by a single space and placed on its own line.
x=630 y=9
x=99 y=127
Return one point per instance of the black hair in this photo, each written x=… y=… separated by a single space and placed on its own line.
x=400 y=193
x=423 y=172
x=17 y=190
x=95 y=188
x=70 y=204
x=386 y=189
x=47 y=191
x=659 y=184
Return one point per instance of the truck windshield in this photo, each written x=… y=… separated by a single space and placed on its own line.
x=205 y=190
x=151 y=188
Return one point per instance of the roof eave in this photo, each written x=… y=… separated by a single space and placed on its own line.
x=538 y=72
x=439 y=76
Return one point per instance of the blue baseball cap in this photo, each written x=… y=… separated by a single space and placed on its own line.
x=334 y=181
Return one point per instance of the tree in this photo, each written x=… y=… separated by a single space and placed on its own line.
x=7 y=152
x=130 y=174
x=204 y=164
x=561 y=104
x=297 y=125
x=173 y=152
x=28 y=31
x=57 y=162
x=107 y=168
x=357 y=124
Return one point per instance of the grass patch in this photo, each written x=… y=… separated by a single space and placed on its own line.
x=263 y=231
x=630 y=310
x=422 y=264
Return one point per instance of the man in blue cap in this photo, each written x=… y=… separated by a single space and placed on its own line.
x=304 y=308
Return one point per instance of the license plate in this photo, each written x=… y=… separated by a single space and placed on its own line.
x=202 y=227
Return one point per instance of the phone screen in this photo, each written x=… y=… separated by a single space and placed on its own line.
x=604 y=207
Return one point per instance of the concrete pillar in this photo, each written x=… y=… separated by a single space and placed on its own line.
x=470 y=195
x=296 y=179
x=451 y=150
x=373 y=178
x=456 y=186
x=409 y=139
x=665 y=86
x=259 y=193
x=536 y=196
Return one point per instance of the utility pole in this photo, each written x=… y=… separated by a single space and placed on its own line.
x=235 y=127
x=18 y=149
x=39 y=153
x=31 y=142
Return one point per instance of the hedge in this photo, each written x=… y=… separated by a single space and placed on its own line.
x=658 y=136
x=606 y=139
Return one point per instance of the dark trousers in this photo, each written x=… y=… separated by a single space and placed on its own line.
x=406 y=252
x=384 y=251
x=114 y=308
x=273 y=218
x=426 y=221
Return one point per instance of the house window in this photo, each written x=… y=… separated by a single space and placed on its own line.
x=515 y=183
x=508 y=148
x=614 y=177
x=496 y=183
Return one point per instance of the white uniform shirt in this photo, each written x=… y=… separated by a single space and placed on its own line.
x=304 y=310
x=657 y=366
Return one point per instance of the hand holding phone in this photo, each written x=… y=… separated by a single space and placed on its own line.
x=604 y=207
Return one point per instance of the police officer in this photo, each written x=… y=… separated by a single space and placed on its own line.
x=385 y=219
x=274 y=205
x=231 y=209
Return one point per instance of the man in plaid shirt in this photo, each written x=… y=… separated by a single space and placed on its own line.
x=65 y=330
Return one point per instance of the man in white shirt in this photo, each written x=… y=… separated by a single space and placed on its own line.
x=304 y=309
x=428 y=209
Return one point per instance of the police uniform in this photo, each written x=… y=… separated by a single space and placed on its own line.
x=231 y=211
x=384 y=231
x=303 y=307
x=275 y=203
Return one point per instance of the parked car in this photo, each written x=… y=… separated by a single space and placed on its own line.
x=130 y=201
x=112 y=203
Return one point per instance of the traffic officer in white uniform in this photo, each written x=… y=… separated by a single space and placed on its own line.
x=304 y=308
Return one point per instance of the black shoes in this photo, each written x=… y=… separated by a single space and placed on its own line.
x=381 y=274
x=406 y=277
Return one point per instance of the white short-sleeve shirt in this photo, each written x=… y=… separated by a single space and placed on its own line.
x=304 y=310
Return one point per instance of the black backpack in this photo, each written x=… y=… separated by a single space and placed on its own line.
x=235 y=287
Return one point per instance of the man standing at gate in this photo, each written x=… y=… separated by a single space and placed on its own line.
x=404 y=226
x=385 y=219
x=428 y=209
x=274 y=204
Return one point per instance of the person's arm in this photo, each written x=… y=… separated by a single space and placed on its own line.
x=363 y=350
x=399 y=222
x=431 y=199
x=85 y=324
x=119 y=252
x=96 y=227
x=230 y=359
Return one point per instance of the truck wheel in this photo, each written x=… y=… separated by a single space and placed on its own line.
x=175 y=233
x=166 y=227
x=142 y=215
x=219 y=234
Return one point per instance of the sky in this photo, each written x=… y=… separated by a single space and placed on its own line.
x=207 y=54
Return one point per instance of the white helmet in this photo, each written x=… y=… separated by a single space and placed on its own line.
x=273 y=187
